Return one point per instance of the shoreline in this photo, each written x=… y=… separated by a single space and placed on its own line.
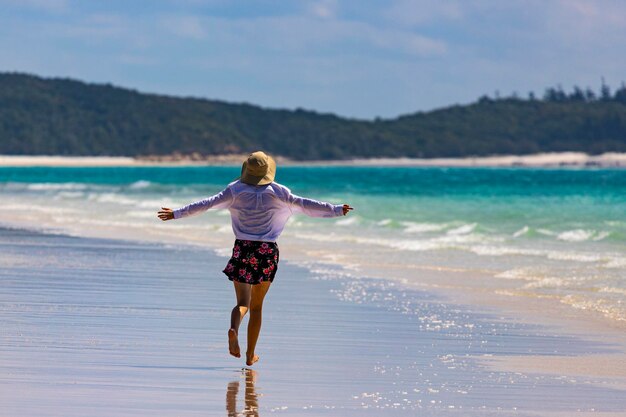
x=541 y=160
x=445 y=285
x=456 y=279
x=457 y=284
x=135 y=323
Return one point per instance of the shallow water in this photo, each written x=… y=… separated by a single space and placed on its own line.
x=103 y=328
x=527 y=232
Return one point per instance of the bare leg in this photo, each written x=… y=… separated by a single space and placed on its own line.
x=256 y=314
x=242 y=291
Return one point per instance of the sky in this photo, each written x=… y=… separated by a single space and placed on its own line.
x=355 y=58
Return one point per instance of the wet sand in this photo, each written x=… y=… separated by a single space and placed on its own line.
x=111 y=328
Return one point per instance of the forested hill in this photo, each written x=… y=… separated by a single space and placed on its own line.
x=67 y=117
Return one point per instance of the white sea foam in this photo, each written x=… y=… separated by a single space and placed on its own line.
x=414 y=245
x=549 y=254
x=521 y=231
x=384 y=222
x=487 y=250
x=578 y=235
x=69 y=195
x=141 y=184
x=16 y=207
x=601 y=235
x=348 y=221
x=463 y=230
x=391 y=243
x=616 y=262
x=465 y=239
x=141 y=214
x=46 y=209
x=546 y=232
x=602 y=306
x=613 y=290
x=518 y=273
x=412 y=227
x=576 y=256
x=56 y=186
x=113 y=198
x=155 y=204
x=547 y=282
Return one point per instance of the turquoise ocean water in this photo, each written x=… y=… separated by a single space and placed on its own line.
x=553 y=233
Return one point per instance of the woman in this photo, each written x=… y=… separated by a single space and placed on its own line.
x=259 y=209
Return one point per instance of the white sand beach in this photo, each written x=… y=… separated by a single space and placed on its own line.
x=62 y=161
x=557 y=159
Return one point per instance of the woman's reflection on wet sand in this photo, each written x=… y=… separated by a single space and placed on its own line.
x=250 y=396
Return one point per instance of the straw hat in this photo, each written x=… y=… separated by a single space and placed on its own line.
x=258 y=169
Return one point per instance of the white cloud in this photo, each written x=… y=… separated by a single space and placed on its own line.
x=410 y=43
x=191 y=27
x=595 y=13
x=305 y=35
x=417 y=12
x=324 y=9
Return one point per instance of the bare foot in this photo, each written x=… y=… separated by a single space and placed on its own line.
x=251 y=359
x=233 y=343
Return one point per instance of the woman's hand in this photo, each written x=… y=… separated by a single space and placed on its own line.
x=346 y=209
x=168 y=214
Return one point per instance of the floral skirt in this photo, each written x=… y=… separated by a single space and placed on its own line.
x=252 y=262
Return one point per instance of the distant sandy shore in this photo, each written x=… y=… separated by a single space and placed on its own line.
x=574 y=159
x=561 y=159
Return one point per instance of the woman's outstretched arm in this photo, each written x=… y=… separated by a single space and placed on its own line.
x=315 y=208
x=221 y=200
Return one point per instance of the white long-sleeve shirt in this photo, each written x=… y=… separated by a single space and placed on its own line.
x=260 y=212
